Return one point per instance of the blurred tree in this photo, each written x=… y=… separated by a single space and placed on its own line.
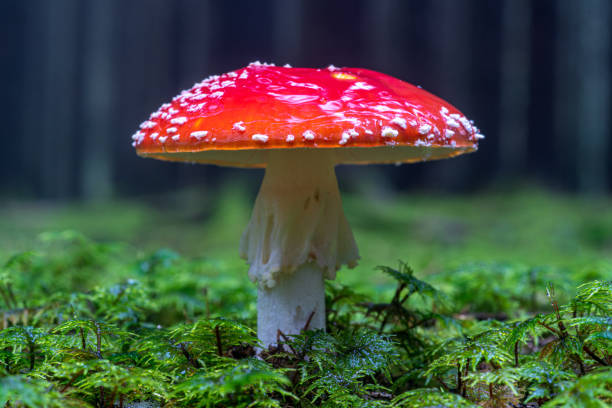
x=582 y=123
x=195 y=29
x=593 y=99
x=287 y=31
x=98 y=97
x=515 y=77
x=451 y=65
x=59 y=89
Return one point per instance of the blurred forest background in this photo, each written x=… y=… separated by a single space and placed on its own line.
x=80 y=75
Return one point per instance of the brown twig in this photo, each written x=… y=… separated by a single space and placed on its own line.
x=516 y=354
x=594 y=356
x=443 y=384
x=195 y=363
x=286 y=340
x=463 y=392
x=308 y=321
x=101 y=389
x=98 y=340
x=72 y=380
x=459 y=379
x=83 y=343
x=550 y=328
x=218 y=337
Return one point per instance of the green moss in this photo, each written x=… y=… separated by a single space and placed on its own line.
x=488 y=310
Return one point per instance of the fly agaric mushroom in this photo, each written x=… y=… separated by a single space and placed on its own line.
x=299 y=123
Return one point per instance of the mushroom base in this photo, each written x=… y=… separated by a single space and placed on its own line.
x=296 y=303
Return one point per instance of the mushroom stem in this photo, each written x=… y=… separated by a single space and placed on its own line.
x=297 y=237
x=288 y=305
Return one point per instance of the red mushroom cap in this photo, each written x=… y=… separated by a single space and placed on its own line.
x=367 y=116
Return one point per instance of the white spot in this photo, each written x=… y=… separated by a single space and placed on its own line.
x=369 y=132
x=353 y=132
x=449 y=133
x=166 y=106
x=138 y=135
x=172 y=111
x=176 y=137
x=196 y=108
x=290 y=138
x=360 y=85
x=453 y=143
x=444 y=111
x=153 y=136
x=308 y=135
x=163 y=139
x=466 y=124
x=287 y=66
x=134 y=144
x=244 y=75
x=261 y=64
x=217 y=94
x=412 y=123
x=452 y=122
x=401 y=122
x=260 y=138
x=239 y=126
x=232 y=74
x=199 y=96
x=420 y=142
x=172 y=130
x=332 y=68
x=478 y=136
x=389 y=132
x=147 y=124
x=155 y=115
x=424 y=129
x=345 y=138
x=430 y=136
x=179 y=121
x=199 y=134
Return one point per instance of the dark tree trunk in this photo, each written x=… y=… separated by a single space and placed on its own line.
x=451 y=65
x=287 y=31
x=515 y=72
x=583 y=92
x=98 y=99
x=56 y=138
x=593 y=98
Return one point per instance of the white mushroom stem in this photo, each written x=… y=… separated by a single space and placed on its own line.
x=297 y=237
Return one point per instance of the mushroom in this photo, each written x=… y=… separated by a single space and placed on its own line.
x=299 y=123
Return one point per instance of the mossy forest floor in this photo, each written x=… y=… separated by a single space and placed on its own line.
x=496 y=300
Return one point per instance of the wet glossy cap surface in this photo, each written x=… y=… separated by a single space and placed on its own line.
x=365 y=116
